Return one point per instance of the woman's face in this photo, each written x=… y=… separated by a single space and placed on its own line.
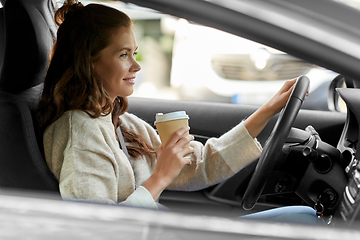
x=116 y=65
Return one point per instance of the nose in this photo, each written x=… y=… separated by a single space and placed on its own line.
x=135 y=66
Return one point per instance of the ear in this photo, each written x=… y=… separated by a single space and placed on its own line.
x=94 y=59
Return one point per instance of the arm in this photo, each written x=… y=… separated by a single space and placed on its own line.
x=217 y=160
x=258 y=120
x=236 y=148
x=220 y=158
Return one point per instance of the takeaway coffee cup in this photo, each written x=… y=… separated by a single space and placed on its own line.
x=167 y=124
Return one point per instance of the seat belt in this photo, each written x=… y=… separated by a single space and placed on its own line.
x=122 y=142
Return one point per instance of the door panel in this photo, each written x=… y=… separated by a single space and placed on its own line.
x=212 y=120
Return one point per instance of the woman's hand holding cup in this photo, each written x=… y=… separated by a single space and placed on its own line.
x=173 y=154
x=171 y=157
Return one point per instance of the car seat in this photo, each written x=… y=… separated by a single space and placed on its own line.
x=29 y=31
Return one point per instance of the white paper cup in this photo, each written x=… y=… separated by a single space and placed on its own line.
x=167 y=124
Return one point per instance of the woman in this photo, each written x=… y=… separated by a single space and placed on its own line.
x=91 y=74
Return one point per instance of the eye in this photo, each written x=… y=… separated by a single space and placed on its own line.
x=137 y=56
x=123 y=55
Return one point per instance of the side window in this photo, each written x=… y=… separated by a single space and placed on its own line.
x=182 y=60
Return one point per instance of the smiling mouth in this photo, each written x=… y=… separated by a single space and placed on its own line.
x=130 y=80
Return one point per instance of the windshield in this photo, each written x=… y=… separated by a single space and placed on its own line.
x=353 y=3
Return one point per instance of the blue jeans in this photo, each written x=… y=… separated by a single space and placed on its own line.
x=292 y=214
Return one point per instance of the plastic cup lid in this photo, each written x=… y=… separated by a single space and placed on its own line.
x=161 y=117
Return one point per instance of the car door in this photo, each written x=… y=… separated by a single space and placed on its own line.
x=209 y=120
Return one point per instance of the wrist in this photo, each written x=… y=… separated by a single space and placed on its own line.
x=257 y=121
x=268 y=110
x=155 y=185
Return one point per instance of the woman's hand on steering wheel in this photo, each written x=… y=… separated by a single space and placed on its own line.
x=279 y=100
x=258 y=120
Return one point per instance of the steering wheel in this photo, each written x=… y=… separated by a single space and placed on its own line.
x=273 y=147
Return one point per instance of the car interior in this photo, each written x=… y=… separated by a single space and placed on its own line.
x=314 y=168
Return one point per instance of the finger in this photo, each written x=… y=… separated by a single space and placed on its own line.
x=306 y=95
x=189 y=163
x=159 y=150
x=188 y=150
x=185 y=140
x=290 y=83
x=177 y=135
x=185 y=152
x=291 y=88
x=186 y=161
x=288 y=92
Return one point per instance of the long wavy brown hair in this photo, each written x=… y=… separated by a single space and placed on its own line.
x=70 y=82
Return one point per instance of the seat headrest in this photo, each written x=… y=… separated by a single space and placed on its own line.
x=29 y=33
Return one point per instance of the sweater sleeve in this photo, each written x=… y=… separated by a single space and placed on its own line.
x=217 y=160
x=142 y=198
